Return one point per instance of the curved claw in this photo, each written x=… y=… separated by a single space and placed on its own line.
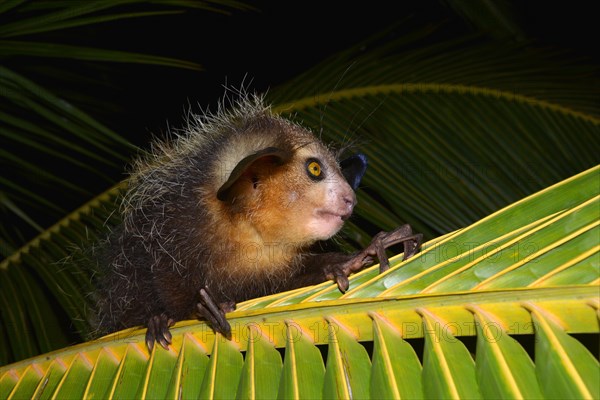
x=412 y=246
x=342 y=282
x=215 y=315
x=339 y=266
x=158 y=331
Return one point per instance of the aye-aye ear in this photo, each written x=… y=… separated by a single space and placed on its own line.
x=279 y=155
x=353 y=169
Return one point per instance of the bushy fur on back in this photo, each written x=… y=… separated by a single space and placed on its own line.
x=173 y=236
x=152 y=175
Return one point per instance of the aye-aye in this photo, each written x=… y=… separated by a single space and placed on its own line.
x=230 y=210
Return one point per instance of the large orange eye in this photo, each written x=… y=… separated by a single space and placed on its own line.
x=314 y=169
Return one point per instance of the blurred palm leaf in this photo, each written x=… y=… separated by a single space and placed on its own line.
x=451 y=133
x=408 y=332
x=495 y=18
x=43 y=134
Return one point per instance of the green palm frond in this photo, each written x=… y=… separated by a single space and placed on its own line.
x=58 y=15
x=515 y=289
x=496 y=18
x=427 y=58
x=44 y=133
x=452 y=133
x=30 y=321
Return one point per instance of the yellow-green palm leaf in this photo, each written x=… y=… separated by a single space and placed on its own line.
x=485 y=312
x=453 y=129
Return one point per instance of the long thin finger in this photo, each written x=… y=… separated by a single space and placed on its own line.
x=411 y=246
x=220 y=323
x=396 y=236
x=205 y=313
x=384 y=263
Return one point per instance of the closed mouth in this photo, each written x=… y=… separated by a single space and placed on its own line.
x=327 y=213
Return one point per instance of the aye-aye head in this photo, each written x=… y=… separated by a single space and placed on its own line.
x=281 y=182
x=255 y=177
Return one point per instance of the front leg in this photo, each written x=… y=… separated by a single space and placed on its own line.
x=338 y=266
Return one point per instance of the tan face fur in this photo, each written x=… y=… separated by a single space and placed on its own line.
x=296 y=206
x=280 y=206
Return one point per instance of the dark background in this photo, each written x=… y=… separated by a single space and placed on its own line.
x=280 y=39
x=260 y=48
